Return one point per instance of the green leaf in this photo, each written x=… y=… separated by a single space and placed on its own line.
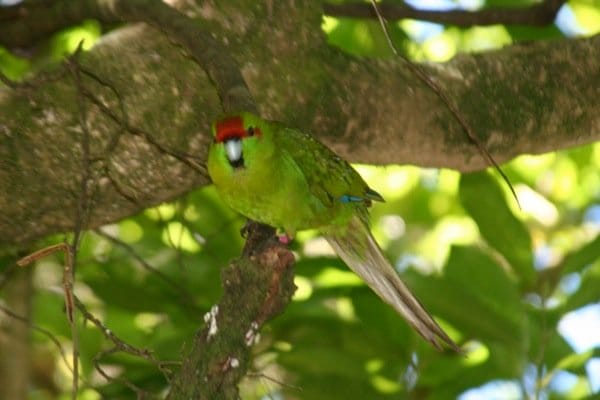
x=521 y=33
x=315 y=386
x=543 y=336
x=476 y=296
x=580 y=258
x=588 y=291
x=362 y=37
x=381 y=325
x=13 y=67
x=575 y=362
x=324 y=360
x=485 y=202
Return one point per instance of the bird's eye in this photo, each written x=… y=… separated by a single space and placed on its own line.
x=250 y=131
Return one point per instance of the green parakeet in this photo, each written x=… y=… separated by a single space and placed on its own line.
x=285 y=178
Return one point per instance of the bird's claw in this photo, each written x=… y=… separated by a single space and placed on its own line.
x=244 y=230
x=283 y=237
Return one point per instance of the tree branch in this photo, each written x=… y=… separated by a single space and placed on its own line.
x=523 y=99
x=271 y=266
x=24 y=24
x=257 y=287
x=149 y=111
x=541 y=14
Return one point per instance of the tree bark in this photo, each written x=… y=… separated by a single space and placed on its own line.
x=15 y=336
x=522 y=99
x=129 y=122
x=257 y=287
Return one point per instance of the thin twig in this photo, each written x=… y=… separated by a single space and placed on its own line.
x=140 y=393
x=131 y=251
x=7 y=81
x=546 y=335
x=122 y=346
x=83 y=204
x=422 y=75
x=41 y=330
x=540 y=14
x=46 y=251
x=68 y=293
x=36 y=255
x=6 y=274
x=183 y=157
x=33 y=83
x=274 y=380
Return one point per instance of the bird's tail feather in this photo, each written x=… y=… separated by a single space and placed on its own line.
x=357 y=247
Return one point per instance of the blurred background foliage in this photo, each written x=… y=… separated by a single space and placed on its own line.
x=518 y=287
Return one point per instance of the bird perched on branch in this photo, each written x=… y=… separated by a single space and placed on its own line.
x=285 y=178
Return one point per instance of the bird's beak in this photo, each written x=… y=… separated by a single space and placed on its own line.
x=233 y=151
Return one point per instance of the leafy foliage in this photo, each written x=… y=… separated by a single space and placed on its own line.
x=337 y=339
x=499 y=279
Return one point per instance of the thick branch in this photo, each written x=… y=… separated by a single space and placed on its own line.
x=26 y=23
x=523 y=99
x=541 y=14
x=31 y=21
x=256 y=288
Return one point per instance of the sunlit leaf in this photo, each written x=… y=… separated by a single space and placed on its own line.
x=588 y=290
x=485 y=202
x=476 y=296
x=579 y=259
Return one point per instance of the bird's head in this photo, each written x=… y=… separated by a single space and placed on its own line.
x=239 y=136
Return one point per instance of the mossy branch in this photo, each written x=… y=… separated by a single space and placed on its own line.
x=257 y=287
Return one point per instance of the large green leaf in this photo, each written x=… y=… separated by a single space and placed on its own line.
x=576 y=362
x=310 y=386
x=589 y=290
x=544 y=340
x=580 y=258
x=476 y=296
x=364 y=37
x=485 y=202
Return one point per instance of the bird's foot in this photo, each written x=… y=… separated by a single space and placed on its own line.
x=244 y=230
x=283 y=237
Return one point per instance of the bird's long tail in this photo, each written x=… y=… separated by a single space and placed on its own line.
x=357 y=247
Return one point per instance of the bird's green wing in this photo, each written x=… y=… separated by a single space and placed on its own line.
x=331 y=178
